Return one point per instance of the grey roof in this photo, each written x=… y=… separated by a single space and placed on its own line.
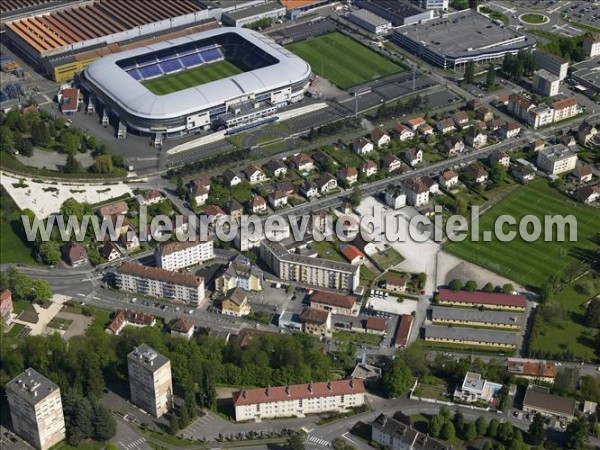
x=557 y=152
x=282 y=254
x=31 y=386
x=148 y=357
x=475 y=315
x=410 y=437
x=470 y=334
x=137 y=100
x=237 y=14
x=370 y=17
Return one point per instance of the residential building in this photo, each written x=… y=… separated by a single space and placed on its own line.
x=286 y=187
x=476 y=389
x=302 y=162
x=546 y=83
x=342 y=304
x=484 y=113
x=519 y=106
x=453 y=146
x=449 y=179
x=298 y=400
x=510 y=130
x=537 y=145
x=415 y=123
x=461 y=119
x=277 y=168
x=430 y=184
x=198 y=193
x=326 y=182
x=532 y=370
x=278 y=199
x=395 y=283
x=395 y=197
x=179 y=255
x=413 y=156
x=119 y=208
x=474 y=337
x=556 y=160
x=588 y=194
x=403 y=132
x=69 y=100
x=235 y=303
x=235 y=210
x=231 y=178
x=316 y=322
x=375 y=325
x=552 y=63
x=370 y=21
x=305 y=269
x=405 y=326
x=391 y=163
x=369 y=168
x=254 y=174
x=393 y=434
x=181 y=287
x=496 y=124
x=442 y=315
x=362 y=146
x=309 y=189
x=539 y=400
x=475 y=138
x=499 y=157
x=417 y=193
x=240 y=273
x=150 y=382
x=126 y=317
x=352 y=254
x=540 y=116
x=258 y=205
x=348 y=175
x=75 y=254
x=583 y=173
x=445 y=126
x=151 y=197
x=182 y=328
x=480 y=299
x=523 y=174
x=379 y=137
x=36 y=410
x=110 y=251
x=6 y=305
x=565 y=108
x=129 y=239
x=591 y=45
x=426 y=129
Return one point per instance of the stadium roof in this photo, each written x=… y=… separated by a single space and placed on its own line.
x=136 y=99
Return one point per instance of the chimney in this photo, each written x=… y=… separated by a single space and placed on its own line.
x=329 y=385
x=267 y=391
x=243 y=394
x=287 y=391
x=352 y=383
x=310 y=389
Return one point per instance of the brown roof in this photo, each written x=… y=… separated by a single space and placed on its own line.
x=108 y=248
x=449 y=174
x=301 y=159
x=152 y=194
x=117 y=208
x=154 y=273
x=564 y=103
x=5 y=295
x=182 y=326
x=584 y=170
x=237 y=296
x=520 y=100
x=333 y=299
x=416 y=121
x=538 y=398
x=399 y=128
x=395 y=280
x=347 y=172
x=389 y=159
x=125 y=316
x=403 y=331
x=368 y=164
x=75 y=252
x=257 y=200
x=540 y=369
x=377 y=133
x=171 y=247
x=214 y=210
x=483 y=298
x=69 y=100
x=376 y=323
x=314 y=315
x=298 y=391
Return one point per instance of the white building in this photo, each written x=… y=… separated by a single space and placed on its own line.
x=36 y=409
x=556 y=159
x=552 y=63
x=475 y=389
x=395 y=197
x=433 y=4
x=546 y=83
x=178 y=255
x=298 y=400
x=591 y=45
x=362 y=146
x=181 y=287
x=565 y=108
x=392 y=434
x=246 y=16
x=150 y=382
x=370 y=21
x=540 y=116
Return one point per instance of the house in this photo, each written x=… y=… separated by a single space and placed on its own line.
x=413 y=156
x=390 y=433
x=151 y=197
x=285 y=186
x=510 y=130
x=484 y=113
x=480 y=299
x=276 y=168
x=362 y=146
x=499 y=157
x=585 y=133
x=405 y=326
x=126 y=317
x=445 y=126
x=235 y=210
x=415 y=123
x=565 y=108
x=75 y=254
x=254 y=174
x=231 y=178
x=240 y=273
x=532 y=370
x=496 y=124
x=113 y=209
x=182 y=328
x=391 y=163
x=453 y=146
x=537 y=145
x=316 y=322
x=461 y=119
x=368 y=168
x=323 y=159
x=449 y=179
x=235 y=303
x=588 y=194
x=417 y=193
x=6 y=305
x=475 y=138
x=343 y=304
x=474 y=388
x=129 y=239
x=302 y=162
x=474 y=104
x=214 y=213
x=326 y=182
x=348 y=175
x=198 y=194
x=519 y=106
x=68 y=101
x=375 y=325
x=566 y=140
x=309 y=189
x=352 y=254
x=109 y=251
x=426 y=129
x=395 y=197
x=278 y=199
x=430 y=184
x=477 y=173
x=395 y=283
x=522 y=174
x=257 y=205
x=556 y=160
x=403 y=132
x=583 y=173
x=379 y=137
x=539 y=400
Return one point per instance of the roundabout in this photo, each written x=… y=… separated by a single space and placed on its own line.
x=534 y=19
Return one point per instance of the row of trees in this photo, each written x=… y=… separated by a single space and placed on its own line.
x=519 y=65
x=24 y=287
x=408 y=106
x=471 y=286
x=490 y=78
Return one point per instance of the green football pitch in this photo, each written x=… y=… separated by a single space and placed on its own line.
x=179 y=81
x=342 y=60
x=532 y=263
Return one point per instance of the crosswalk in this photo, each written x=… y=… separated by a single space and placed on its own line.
x=133 y=445
x=318 y=441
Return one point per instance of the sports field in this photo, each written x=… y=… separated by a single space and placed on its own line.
x=168 y=84
x=532 y=263
x=342 y=60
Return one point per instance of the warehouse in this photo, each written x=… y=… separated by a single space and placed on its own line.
x=370 y=21
x=470 y=336
x=476 y=317
x=398 y=12
x=247 y=16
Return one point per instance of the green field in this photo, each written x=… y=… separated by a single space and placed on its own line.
x=532 y=263
x=342 y=60
x=14 y=248
x=179 y=81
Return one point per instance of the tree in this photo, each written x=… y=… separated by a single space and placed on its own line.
x=72 y=207
x=481 y=425
x=535 y=434
x=471 y=286
x=589 y=388
x=164 y=208
x=174 y=424
x=103 y=164
x=50 y=252
x=470 y=433
x=184 y=416
x=7 y=141
x=355 y=197
x=508 y=288
x=592 y=313
x=69 y=142
x=397 y=378
x=576 y=435
x=490 y=78
x=492 y=430
x=72 y=165
x=422 y=279
x=436 y=423
x=295 y=441
x=498 y=174
x=474 y=4
x=470 y=72
x=505 y=431
x=104 y=423
x=489 y=287
x=448 y=431
x=455 y=285
x=459 y=421
x=40 y=134
x=80 y=422
x=488 y=446
x=516 y=443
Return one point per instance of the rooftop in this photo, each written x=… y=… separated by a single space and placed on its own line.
x=409 y=437
x=539 y=398
x=262 y=8
x=483 y=298
x=528 y=368
x=31 y=386
x=470 y=334
x=589 y=72
x=148 y=357
x=154 y=273
x=333 y=299
x=171 y=247
x=476 y=315
x=313 y=315
x=557 y=152
x=402 y=333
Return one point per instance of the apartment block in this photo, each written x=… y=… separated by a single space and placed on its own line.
x=552 y=63
x=546 y=83
x=36 y=409
x=150 y=382
x=556 y=159
x=298 y=400
x=180 y=287
x=312 y=271
x=178 y=255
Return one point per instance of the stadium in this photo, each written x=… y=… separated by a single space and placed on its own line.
x=224 y=78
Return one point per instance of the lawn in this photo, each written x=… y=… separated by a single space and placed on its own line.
x=532 y=263
x=357 y=337
x=345 y=157
x=15 y=330
x=533 y=18
x=387 y=258
x=14 y=249
x=342 y=60
x=179 y=81
x=327 y=250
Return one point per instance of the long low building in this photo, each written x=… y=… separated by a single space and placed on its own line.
x=405 y=326
x=471 y=336
x=298 y=400
x=532 y=369
x=479 y=299
x=342 y=304
x=246 y=16
x=539 y=400
x=178 y=255
x=476 y=317
x=181 y=287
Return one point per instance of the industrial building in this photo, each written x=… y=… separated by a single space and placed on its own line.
x=246 y=16
x=471 y=336
x=476 y=317
x=370 y=21
x=398 y=12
